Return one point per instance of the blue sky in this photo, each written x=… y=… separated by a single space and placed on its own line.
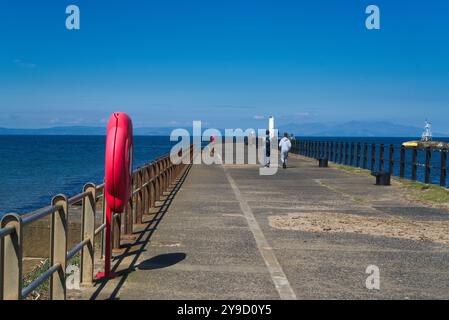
x=228 y=63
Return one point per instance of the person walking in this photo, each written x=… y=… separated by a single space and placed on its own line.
x=267 y=148
x=212 y=146
x=285 y=146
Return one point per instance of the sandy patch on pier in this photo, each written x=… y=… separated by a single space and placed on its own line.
x=436 y=231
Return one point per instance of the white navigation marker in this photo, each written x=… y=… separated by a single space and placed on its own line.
x=271 y=126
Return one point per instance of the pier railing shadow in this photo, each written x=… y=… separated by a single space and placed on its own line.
x=143 y=238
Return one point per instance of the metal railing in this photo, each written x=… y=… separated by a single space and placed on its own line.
x=149 y=183
x=397 y=160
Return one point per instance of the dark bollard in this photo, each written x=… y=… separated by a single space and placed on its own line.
x=382 y=178
x=323 y=162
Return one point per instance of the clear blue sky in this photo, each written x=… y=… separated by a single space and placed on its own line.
x=225 y=62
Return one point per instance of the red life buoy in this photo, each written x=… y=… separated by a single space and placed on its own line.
x=118 y=161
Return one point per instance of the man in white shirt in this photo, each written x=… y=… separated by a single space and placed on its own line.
x=285 y=146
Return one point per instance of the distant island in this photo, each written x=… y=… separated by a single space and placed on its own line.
x=315 y=129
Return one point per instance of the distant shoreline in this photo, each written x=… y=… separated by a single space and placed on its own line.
x=355 y=129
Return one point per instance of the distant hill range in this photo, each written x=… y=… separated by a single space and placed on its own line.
x=347 y=129
x=355 y=129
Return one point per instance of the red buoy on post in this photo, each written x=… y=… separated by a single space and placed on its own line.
x=118 y=175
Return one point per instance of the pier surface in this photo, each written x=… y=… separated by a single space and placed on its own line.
x=211 y=238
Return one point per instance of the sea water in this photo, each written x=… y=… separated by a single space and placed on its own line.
x=35 y=168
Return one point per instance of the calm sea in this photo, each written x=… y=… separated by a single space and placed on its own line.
x=35 y=168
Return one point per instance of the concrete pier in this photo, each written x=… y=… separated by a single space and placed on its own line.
x=211 y=238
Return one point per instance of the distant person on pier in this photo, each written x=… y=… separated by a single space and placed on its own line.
x=267 y=148
x=211 y=146
x=285 y=146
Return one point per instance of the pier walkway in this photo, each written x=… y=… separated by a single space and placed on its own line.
x=219 y=234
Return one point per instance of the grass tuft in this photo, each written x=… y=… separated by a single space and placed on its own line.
x=428 y=192
x=355 y=170
x=42 y=292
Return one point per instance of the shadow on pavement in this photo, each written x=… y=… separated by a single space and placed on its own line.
x=162 y=261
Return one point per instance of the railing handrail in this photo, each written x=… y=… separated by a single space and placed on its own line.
x=40 y=214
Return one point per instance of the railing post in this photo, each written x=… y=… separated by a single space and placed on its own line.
x=365 y=155
x=167 y=182
x=169 y=172
x=88 y=232
x=381 y=157
x=341 y=153
x=358 y=154
x=164 y=177
x=351 y=160
x=314 y=149
x=146 y=195
x=402 y=163
x=128 y=223
x=11 y=258
x=391 y=154
x=443 y=167
x=414 y=162
x=346 y=153
x=153 y=186
x=147 y=192
x=323 y=149
x=161 y=178
x=373 y=156
x=58 y=252
x=331 y=156
x=428 y=158
x=158 y=180
x=116 y=230
x=310 y=147
x=335 y=151
x=140 y=196
x=103 y=221
x=320 y=149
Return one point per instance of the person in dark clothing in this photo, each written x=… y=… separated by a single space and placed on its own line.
x=267 y=148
